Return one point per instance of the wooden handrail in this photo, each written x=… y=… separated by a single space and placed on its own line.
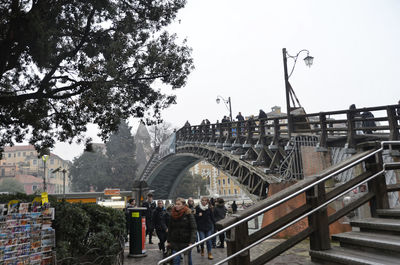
x=305 y=124
x=301 y=211
x=289 y=190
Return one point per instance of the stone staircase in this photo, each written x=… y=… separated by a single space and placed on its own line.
x=373 y=241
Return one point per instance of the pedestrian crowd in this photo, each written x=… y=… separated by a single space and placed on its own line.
x=183 y=223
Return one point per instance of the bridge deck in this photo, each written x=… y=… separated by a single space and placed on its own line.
x=297 y=255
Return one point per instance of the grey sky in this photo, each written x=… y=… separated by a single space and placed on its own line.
x=237 y=51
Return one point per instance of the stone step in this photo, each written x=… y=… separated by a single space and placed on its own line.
x=350 y=256
x=373 y=241
x=389 y=213
x=377 y=224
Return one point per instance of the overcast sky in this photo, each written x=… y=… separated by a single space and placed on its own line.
x=237 y=51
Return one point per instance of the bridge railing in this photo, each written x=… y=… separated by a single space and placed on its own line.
x=317 y=198
x=314 y=210
x=353 y=124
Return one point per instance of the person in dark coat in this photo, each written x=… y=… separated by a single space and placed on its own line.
x=262 y=114
x=367 y=123
x=131 y=204
x=219 y=214
x=160 y=225
x=234 y=207
x=150 y=207
x=205 y=224
x=181 y=230
x=239 y=117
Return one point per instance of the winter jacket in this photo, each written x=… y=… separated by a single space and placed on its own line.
x=182 y=231
x=149 y=213
x=204 y=219
x=159 y=219
x=219 y=212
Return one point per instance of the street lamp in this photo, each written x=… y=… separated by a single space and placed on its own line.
x=44 y=158
x=290 y=95
x=63 y=171
x=227 y=103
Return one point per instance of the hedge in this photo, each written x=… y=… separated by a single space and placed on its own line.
x=85 y=233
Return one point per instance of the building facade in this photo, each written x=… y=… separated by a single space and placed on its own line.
x=23 y=164
x=219 y=184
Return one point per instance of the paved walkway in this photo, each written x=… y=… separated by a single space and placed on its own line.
x=297 y=255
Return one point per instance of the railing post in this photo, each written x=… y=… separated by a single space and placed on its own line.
x=249 y=131
x=202 y=137
x=261 y=131
x=319 y=239
x=393 y=124
x=351 y=132
x=275 y=140
x=239 y=130
x=219 y=141
x=322 y=147
x=237 y=239
x=227 y=142
x=377 y=185
x=212 y=137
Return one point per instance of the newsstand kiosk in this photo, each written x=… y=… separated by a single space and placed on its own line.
x=137 y=232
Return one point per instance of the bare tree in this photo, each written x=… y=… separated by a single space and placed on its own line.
x=160 y=132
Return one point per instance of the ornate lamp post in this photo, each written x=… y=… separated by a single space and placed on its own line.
x=290 y=95
x=63 y=171
x=227 y=103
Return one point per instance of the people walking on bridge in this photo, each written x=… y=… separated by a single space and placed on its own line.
x=367 y=122
x=150 y=207
x=239 y=117
x=262 y=114
x=205 y=224
x=159 y=222
x=181 y=230
x=219 y=214
x=234 y=207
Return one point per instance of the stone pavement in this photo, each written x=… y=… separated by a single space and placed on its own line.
x=298 y=255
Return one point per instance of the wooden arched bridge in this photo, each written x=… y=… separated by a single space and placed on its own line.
x=257 y=152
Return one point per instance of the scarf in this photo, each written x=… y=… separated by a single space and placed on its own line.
x=203 y=208
x=178 y=214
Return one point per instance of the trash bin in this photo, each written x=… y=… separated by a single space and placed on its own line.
x=137 y=232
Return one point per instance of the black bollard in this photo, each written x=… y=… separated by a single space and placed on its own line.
x=137 y=232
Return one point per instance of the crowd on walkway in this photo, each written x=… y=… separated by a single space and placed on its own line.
x=183 y=223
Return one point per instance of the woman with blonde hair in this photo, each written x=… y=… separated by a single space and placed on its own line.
x=181 y=230
x=205 y=224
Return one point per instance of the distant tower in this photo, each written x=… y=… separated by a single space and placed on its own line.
x=143 y=147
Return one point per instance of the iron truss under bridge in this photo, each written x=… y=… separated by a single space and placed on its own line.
x=258 y=152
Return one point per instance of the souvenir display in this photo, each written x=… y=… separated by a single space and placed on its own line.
x=26 y=237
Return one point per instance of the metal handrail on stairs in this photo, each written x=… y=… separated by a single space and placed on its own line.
x=340 y=170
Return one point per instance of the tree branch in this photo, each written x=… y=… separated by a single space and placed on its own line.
x=72 y=53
